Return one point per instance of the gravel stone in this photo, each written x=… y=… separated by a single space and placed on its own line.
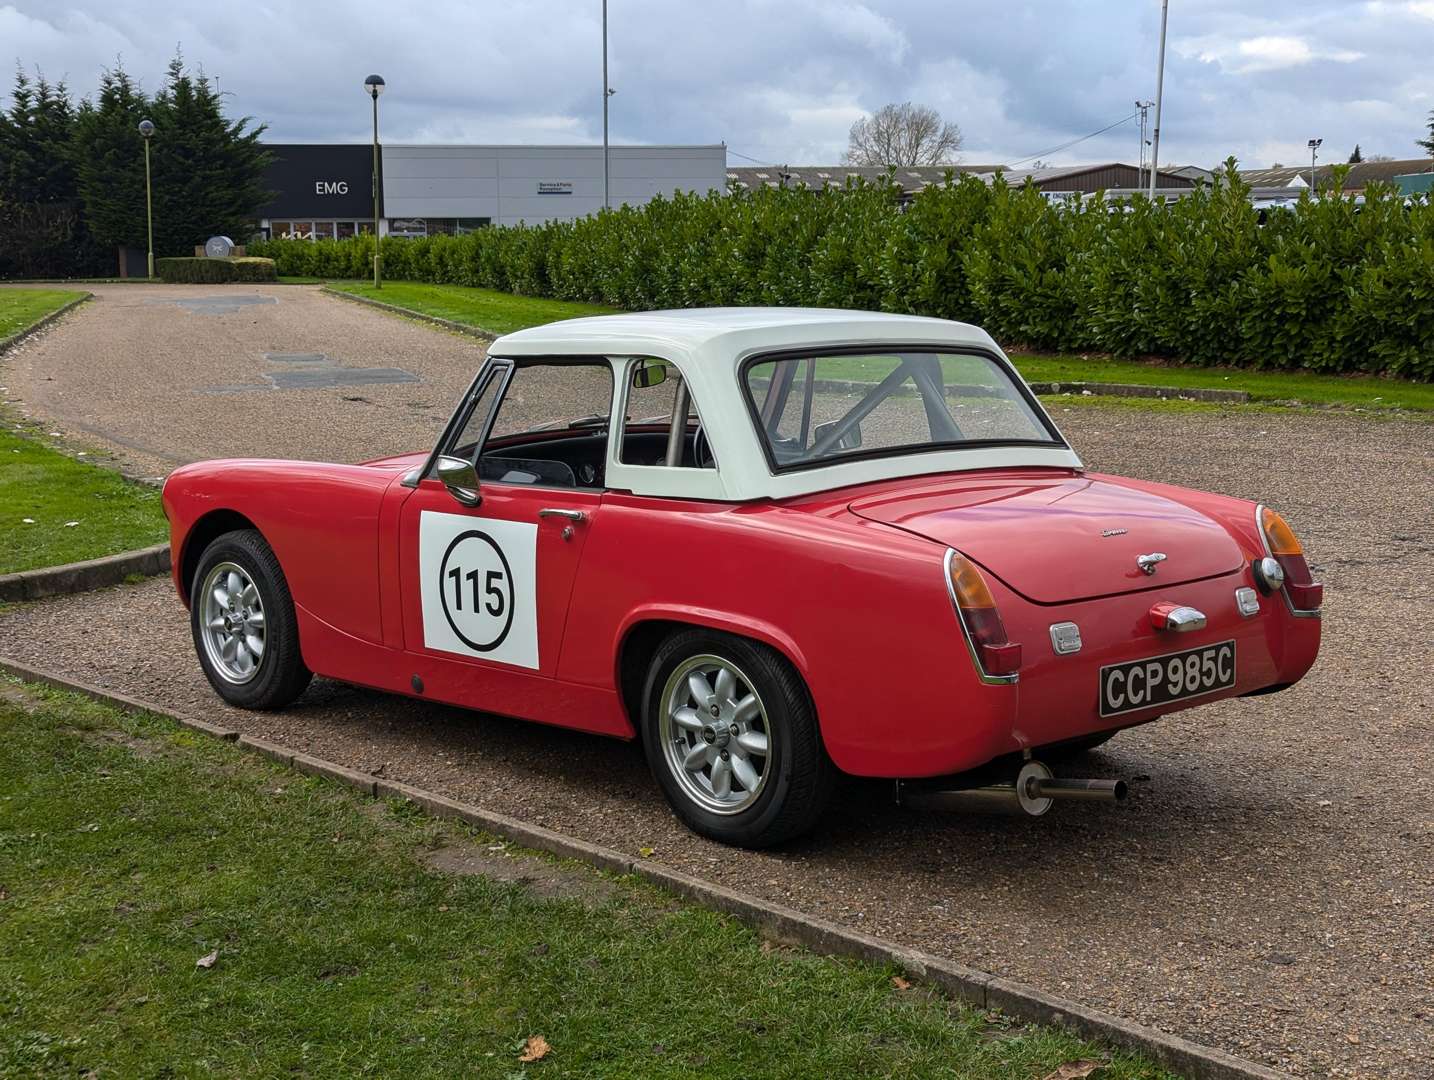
x=1268 y=889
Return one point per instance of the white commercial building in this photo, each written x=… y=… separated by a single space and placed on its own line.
x=326 y=191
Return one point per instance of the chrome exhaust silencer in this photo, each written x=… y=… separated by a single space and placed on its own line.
x=1035 y=789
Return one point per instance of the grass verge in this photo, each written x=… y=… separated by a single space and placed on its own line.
x=56 y=509
x=1268 y=387
x=20 y=308
x=131 y=849
x=486 y=309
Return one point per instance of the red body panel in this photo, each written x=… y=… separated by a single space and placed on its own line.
x=1000 y=519
x=849 y=585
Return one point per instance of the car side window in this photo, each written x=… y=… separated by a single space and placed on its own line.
x=465 y=443
x=655 y=392
x=550 y=428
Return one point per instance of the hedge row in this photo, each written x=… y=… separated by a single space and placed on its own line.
x=1329 y=285
x=186 y=271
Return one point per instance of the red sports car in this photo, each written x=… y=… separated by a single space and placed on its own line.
x=774 y=544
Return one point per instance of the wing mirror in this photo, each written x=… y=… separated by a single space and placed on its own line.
x=647 y=375
x=460 y=478
x=850 y=440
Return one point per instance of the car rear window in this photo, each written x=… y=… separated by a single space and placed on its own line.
x=816 y=409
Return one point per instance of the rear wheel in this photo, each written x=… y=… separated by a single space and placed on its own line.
x=731 y=736
x=242 y=620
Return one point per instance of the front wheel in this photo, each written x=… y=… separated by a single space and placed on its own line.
x=242 y=619
x=732 y=738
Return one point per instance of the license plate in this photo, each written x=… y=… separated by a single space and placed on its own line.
x=1160 y=680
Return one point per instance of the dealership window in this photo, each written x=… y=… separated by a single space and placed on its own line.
x=417 y=228
x=318 y=230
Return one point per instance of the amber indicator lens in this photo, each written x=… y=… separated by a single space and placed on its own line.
x=1278 y=533
x=972 y=592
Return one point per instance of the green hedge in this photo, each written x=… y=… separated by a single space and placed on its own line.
x=188 y=271
x=1328 y=285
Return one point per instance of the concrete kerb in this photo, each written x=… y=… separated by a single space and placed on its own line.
x=6 y=343
x=409 y=313
x=783 y=924
x=84 y=576
x=1136 y=390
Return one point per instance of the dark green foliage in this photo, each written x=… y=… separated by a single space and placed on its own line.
x=208 y=170
x=1428 y=144
x=35 y=162
x=188 y=271
x=1329 y=285
x=42 y=230
x=72 y=181
x=110 y=161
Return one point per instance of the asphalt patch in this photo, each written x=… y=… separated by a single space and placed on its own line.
x=216 y=305
x=314 y=371
x=323 y=378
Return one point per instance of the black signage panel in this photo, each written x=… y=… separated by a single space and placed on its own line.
x=311 y=181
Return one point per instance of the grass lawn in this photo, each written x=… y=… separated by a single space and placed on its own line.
x=498 y=312
x=131 y=849
x=1353 y=391
x=1264 y=387
x=110 y=514
x=21 y=307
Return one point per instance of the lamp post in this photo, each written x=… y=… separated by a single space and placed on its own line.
x=1144 y=107
x=146 y=128
x=1159 y=98
x=607 y=92
x=1314 y=145
x=374 y=85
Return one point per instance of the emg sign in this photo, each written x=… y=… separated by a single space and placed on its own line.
x=309 y=181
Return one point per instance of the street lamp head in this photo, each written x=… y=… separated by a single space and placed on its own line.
x=146 y=128
x=374 y=85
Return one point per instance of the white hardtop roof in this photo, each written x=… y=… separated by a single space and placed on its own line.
x=694 y=330
x=708 y=344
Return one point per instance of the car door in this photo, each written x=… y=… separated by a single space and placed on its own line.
x=485 y=587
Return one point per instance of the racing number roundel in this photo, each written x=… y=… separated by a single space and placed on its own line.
x=478 y=587
x=475 y=584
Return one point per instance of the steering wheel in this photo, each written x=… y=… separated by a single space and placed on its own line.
x=702 y=455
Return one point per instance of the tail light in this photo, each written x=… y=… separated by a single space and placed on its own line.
x=1281 y=544
x=997 y=659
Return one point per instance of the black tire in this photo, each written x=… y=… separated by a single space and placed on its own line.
x=798 y=777
x=1076 y=747
x=280 y=675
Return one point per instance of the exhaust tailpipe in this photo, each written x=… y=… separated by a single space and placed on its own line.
x=1035 y=789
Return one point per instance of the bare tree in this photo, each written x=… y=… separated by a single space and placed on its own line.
x=904 y=134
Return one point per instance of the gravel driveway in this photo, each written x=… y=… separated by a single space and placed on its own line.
x=1269 y=888
x=165 y=374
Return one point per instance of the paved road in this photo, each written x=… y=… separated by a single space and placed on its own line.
x=1269 y=889
x=165 y=374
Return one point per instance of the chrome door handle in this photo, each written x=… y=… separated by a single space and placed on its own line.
x=571 y=515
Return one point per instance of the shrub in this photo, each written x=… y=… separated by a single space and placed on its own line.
x=190 y=271
x=1329 y=284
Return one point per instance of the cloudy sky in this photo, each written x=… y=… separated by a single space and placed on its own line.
x=780 y=80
